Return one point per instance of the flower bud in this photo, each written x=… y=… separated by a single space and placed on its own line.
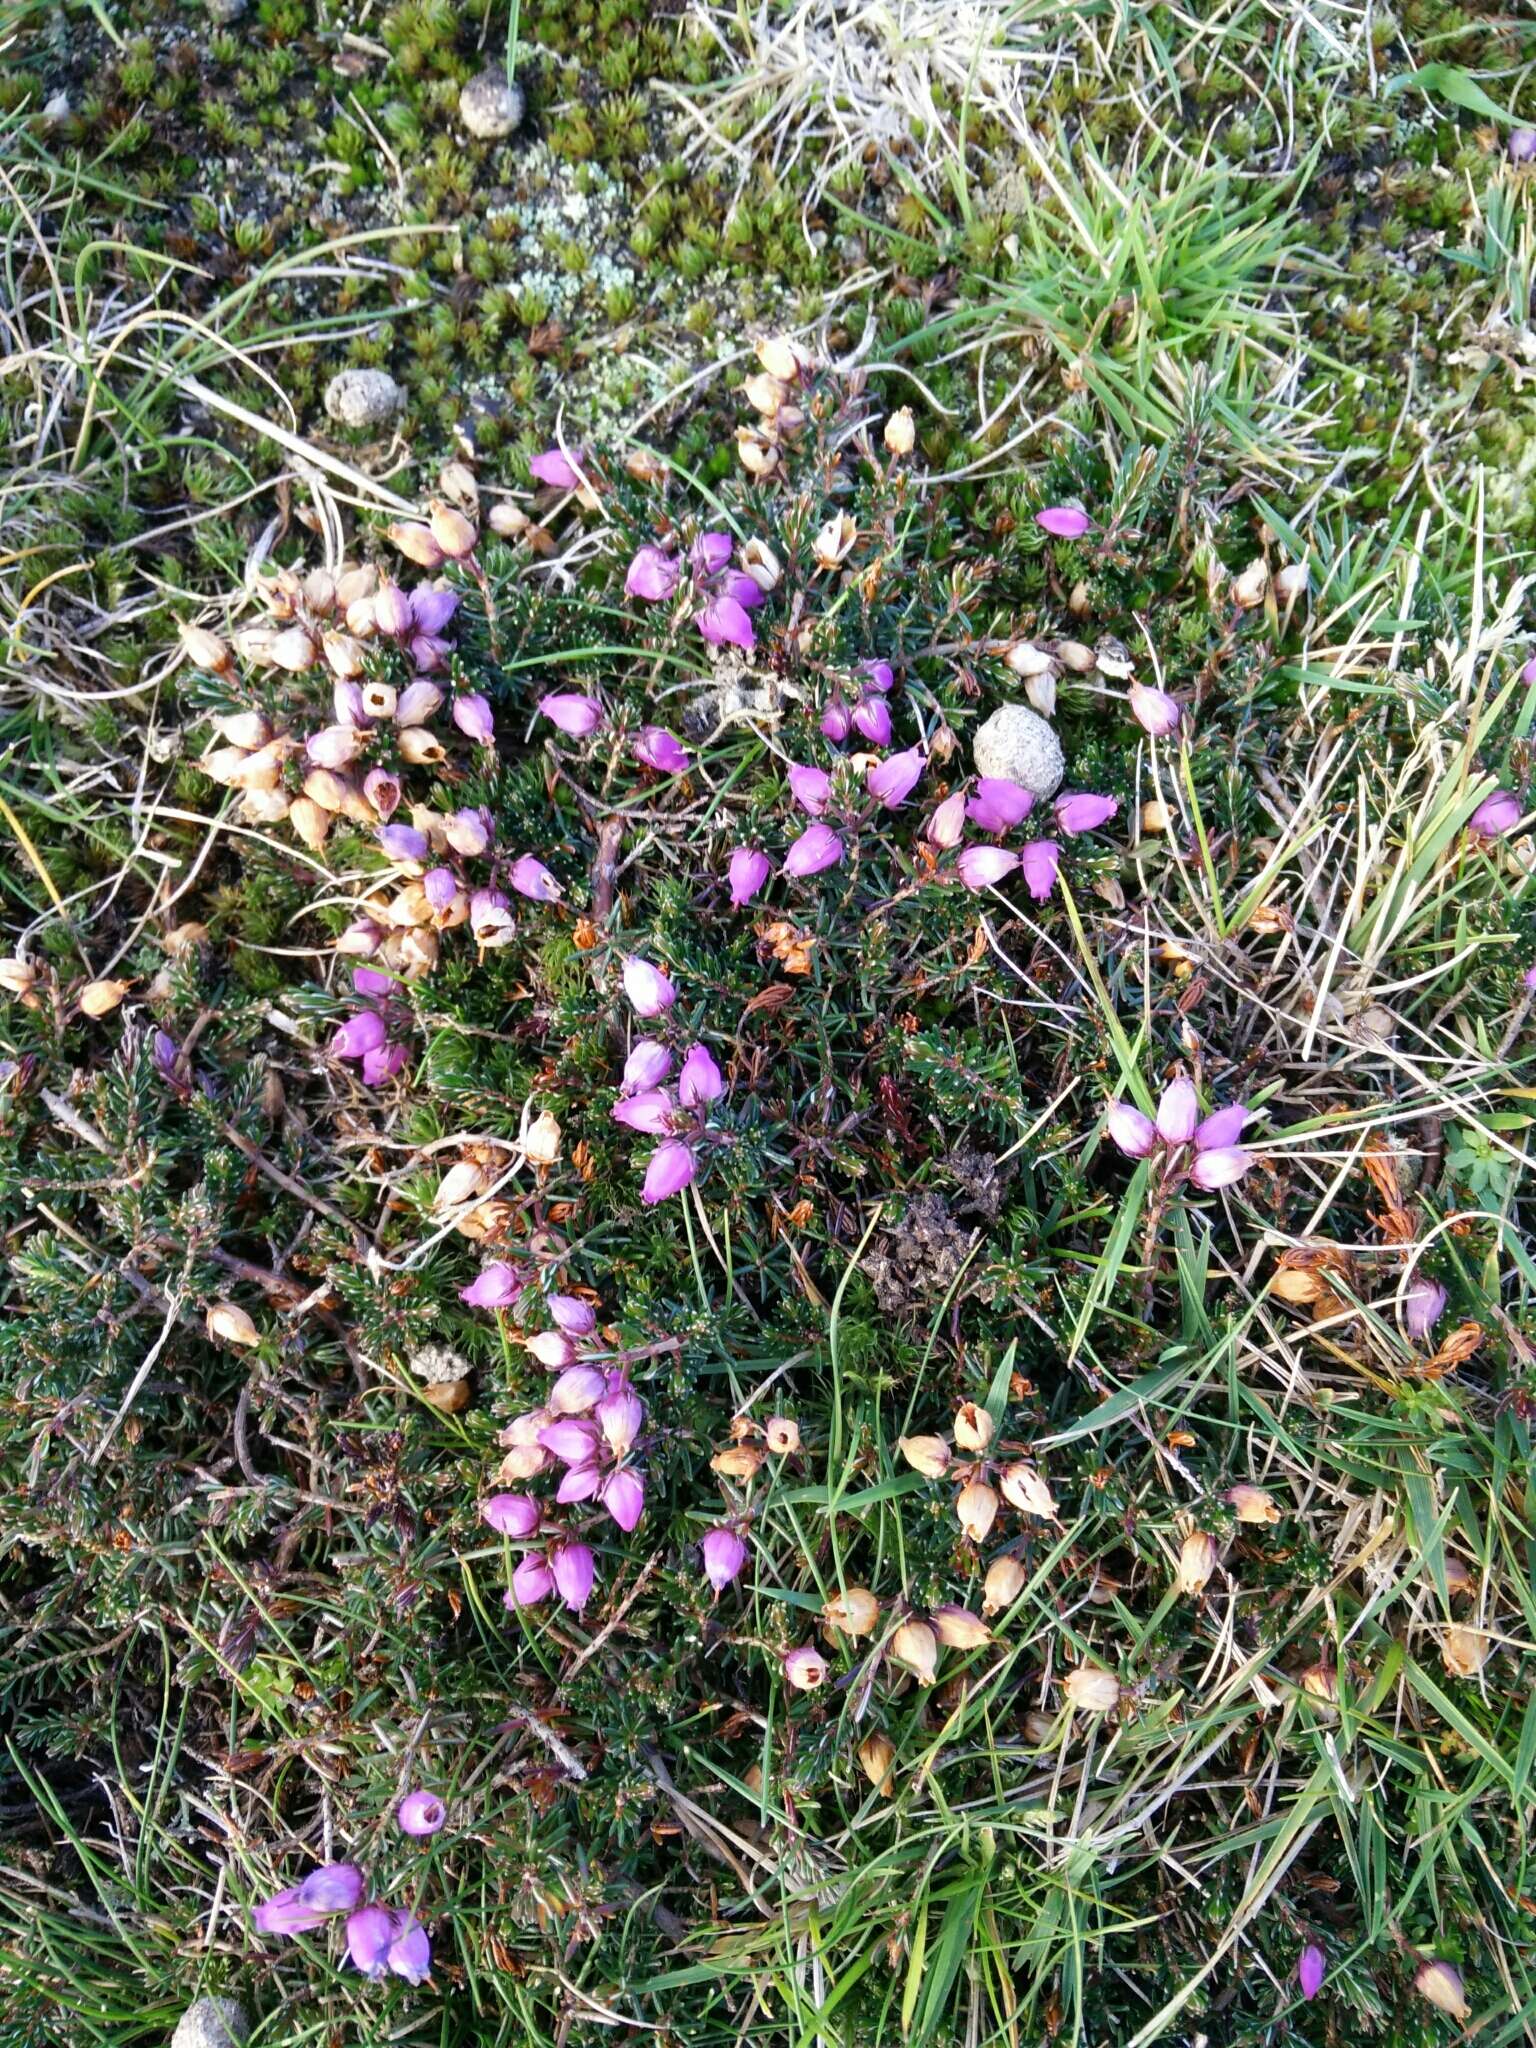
x=1003 y=1584
x=1024 y=1489
x=310 y=822
x=227 y=1324
x=877 y=1753
x=900 y=433
x=101 y=998
x=976 y=1509
x=418 y=543
x=1441 y=1984
x=1092 y=1690
x=1252 y=1504
x=1197 y=1561
x=915 y=1647
x=959 y=1629
x=454 y=534
x=541 y=1140
x=926 y=1454
x=973 y=1427
x=1463 y=1651
x=417 y=703
x=855 y=1612
x=249 y=729
x=781 y=358
x=805 y=1668
x=205 y=650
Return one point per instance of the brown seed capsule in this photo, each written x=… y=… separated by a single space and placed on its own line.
x=541 y=1140
x=959 y=1629
x=1197 y=1561
x=1155 y=816
x=916 y=1648
x=976 y=1507
x=461 y=1183
x=205 y=650
x=1441 y=1984
x=900 y=435
x=1003 y=1584
x=454 y=534
x=1320 y=1682
x=782 y=358
x=447 y=1396
x=1252 y=1505
x=926 y=1454
x=877 y=1753
x=1073 y=655
x=1291 y=581
x=310 y=822
x=1250 y=587
x=1024 y=1489
x=101 y=998
x=293 y=649
x=1299 y=1284
x=421 y=747
x=265 y=806
x=973 y=1427
x=343 y=655
x=854 y=1612
x=416 y=542
x=1091 y=1689
x=763 y=393
x=19 y=977
x=736 y=1461
x=1025 y=659
x=1463 y=1651
x=228 y=1324
x=781 y=1433
x=248 y=729
x=456 y=481
x=184 y=938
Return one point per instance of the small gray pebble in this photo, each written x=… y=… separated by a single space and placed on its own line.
x=363 y=398
x=437 y=1365
x=491 y=107
x=224 y=11
x=1021 y=746
x=212 y=2023
x=57 y=109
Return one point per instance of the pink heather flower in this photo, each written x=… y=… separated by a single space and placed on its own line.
x=1220 y=1168
x=648 y=989
x=332 y=1888
x=405 y=844
x=1222 y=1127
x=392 y=610
x=652 y=575
x=983 y=867
x=573 y=1440
x=556 y=468
x=872 y=718
x=420 y=1813
x=572 y=1566
x=370 y=1930
x=1133 y=1133
x=810 y=787
x=805 y=1668
x=655 y=747
x=530 y=877
x=382 y=1064
x=648 y=1065
x=748 y=593
x=432 y=607
x=1064 y=522
x=441 y=886
x=285 y=1913
x=490 y=917
x=1495 y=815
x=1423 y=1306
x=580 y=1482
x=1178 y=1112
x=725 y=623
x=621 y=1416
x=668 y=1171
x=817 y=847
x=417 y=704
x=573 y=714
x=946 y=827
x=495 y=1286
x=576 y=1317
x=1154 y=710
x=998 y=805
x=892 y=781
x=623 y=1495
x=369 y=981
x=552 y=1348
x=700 y=1081
x=1528 y=979
x=429 y=653
x=577 y=1391
x=360 y=1035
x=410 y=1953
x=472 y=715
x=1084 y=812
x=1311 y=1968
x=532 y=1582
x=747 y=873
x=511 y=1514
x=650 y=1111
x=723 y=1554
x=710 y=553
x=1041 y=861
x=347 y=702
x=836 y=722
x=879 y=675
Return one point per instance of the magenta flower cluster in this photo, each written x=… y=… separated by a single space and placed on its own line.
x=373 y=1035
x=649 y=1103
x=720 y=593
x=380 y=1940
x=1205 y=1150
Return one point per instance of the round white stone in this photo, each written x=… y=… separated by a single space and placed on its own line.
x=1021 y=746
x=489 y=106
x=363 y=398
x=212 y=2023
